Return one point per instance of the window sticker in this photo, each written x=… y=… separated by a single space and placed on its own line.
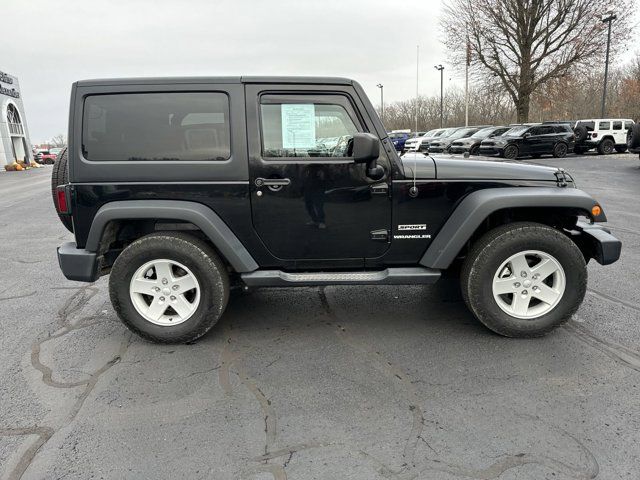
x=298 y=125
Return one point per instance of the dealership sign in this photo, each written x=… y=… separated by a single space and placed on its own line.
x=12 y=92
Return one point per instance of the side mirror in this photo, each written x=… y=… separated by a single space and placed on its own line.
x=366 y=149
x=526 y=135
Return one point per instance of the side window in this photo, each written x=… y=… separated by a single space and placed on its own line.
x=534 y=131
x=628 y=125
x=312 y=128
x=617 y=125
x=172 y=126
x=545 y=130
x=604 y=125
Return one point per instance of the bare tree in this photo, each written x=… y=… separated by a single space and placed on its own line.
x=59 y=140
x=524 y=44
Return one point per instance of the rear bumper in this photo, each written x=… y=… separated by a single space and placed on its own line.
x=603 y=246
x=78 y=264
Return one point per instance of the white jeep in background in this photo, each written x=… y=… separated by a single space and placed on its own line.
x=603 y=134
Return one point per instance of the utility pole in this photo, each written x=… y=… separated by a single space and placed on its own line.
x=441 y=69
x=381 y=87
x=609 y=17
x=417 y=75
x=466 y=83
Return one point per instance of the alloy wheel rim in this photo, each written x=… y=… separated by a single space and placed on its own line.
x=164 y=292
x=529 y=284
x=511 y=152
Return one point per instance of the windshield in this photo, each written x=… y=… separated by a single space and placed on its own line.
x=484 y=133
x=516 y=131
x=463 y=132
x=430 y=133
x=447 y=132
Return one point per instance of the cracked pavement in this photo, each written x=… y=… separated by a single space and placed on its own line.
x=316 y=383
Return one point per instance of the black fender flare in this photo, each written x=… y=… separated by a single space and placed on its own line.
x=477 y=206
x=200 y=215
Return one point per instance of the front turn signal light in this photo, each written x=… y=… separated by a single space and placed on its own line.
x=596 y=210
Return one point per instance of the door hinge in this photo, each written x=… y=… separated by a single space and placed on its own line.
x=380 y=235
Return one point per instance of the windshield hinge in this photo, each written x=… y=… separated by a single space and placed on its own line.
x=561 y=177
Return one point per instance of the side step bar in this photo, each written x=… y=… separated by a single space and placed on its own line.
x=389 y=276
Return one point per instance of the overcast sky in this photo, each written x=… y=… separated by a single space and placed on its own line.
x=48 y=44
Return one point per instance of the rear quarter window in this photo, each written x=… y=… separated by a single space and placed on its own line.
x=171 y=126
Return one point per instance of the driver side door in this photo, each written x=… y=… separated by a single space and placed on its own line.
x=310 y=202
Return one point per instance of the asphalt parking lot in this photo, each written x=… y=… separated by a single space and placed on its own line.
x=317 y=383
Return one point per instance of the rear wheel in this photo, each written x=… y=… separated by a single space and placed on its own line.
x=606 y=146
x=560 y=150
x=60 y=176
x=169 y=287
x=474 y=150
x=524 y=279
x=511 y=152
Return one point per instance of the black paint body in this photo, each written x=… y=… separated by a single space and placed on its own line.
x=279 y=226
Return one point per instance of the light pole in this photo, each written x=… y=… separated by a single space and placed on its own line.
x=417 y=83
x=381 y=87
x=441 y=69
x=609 y=17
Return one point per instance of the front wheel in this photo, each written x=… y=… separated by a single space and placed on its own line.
x=524 y=279
x=511 y=152
x=169 y=287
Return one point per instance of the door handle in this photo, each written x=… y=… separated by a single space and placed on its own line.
x=379 y=189
x=272 y=182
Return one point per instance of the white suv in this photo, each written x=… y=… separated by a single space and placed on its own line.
x=603 y=134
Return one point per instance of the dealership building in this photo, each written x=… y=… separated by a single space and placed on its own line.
x=14 y=136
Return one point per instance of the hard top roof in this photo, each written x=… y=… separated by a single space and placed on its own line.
x=219 y=80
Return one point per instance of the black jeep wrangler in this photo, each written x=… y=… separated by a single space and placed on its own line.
x=182 y=188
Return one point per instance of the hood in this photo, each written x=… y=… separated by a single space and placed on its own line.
x=462 y=169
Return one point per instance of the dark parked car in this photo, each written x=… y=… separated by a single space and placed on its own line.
x=472 y=144
x=441 y=145
x=555 y=139
x=181 y=189
x=399 y=139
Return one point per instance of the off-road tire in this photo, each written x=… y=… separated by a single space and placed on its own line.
x=60 y=176
x=621 y=148
x=511 y=152
x=560 y=150
x=606 y=146
x=192 y=252
x=633 y=136
x=496 y=246
x=581 y=133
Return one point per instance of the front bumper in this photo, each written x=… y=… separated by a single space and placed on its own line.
x=78 y=264
x=458 y=149
x=598 y=241
x=490 y=150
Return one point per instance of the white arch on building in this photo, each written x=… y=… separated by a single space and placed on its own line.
x=16 y=135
